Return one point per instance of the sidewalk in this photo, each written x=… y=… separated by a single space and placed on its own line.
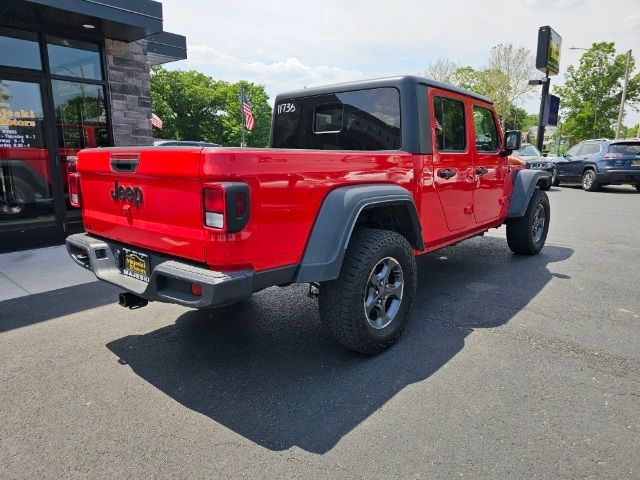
x=39 y=270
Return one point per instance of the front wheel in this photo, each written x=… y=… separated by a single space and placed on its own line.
x=590 y=181
x=637 y=187
x=366 y=308
x=526 y=235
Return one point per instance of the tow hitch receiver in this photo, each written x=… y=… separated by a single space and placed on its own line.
x=131 y=301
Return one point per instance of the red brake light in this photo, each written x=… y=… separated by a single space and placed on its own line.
x=73 y=180
x=214 y=207
x=214 y=200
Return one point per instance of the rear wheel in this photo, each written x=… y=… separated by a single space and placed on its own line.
x=526 y=235
x=366 y=308
x=638 y=187
x=590 y=181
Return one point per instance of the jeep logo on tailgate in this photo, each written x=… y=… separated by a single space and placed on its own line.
x=130 y=194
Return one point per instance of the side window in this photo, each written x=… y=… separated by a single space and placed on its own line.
x=573 y=150
x=486 y=132
x=449 y=124
x=587 y=149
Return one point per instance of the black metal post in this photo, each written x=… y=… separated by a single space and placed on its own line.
x=545 y=91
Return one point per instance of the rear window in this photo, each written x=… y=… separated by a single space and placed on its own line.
x=625 y=148
x=358 y=120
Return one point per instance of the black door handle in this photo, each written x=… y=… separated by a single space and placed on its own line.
x=481 y=171
x=446 y=173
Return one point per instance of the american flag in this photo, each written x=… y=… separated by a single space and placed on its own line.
x=248 y=115
x=155 y=121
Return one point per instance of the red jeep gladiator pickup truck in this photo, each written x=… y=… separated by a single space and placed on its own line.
x=358 y=180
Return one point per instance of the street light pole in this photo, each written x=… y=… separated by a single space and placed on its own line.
x=624 y=95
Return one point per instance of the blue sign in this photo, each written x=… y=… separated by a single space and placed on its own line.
x=551 y=109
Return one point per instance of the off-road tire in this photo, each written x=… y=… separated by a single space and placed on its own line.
x=590 y=186
x=342 y=300
x=520 y=231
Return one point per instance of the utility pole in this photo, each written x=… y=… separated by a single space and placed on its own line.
x=242 y=113
x=545 y=91
x=624 y=95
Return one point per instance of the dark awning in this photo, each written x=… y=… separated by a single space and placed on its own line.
x=166 y=47
x=125 y=20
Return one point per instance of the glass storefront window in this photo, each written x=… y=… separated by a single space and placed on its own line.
x=81 y=121
x=25 y=176
x=73 y=58
x=19 y=49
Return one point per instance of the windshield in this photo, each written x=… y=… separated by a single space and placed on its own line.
x=527 y=151
x=625 y=148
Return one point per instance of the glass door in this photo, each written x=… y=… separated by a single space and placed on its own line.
x=26 y=181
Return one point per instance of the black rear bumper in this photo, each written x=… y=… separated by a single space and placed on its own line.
x=170 y=279
x=619 y=177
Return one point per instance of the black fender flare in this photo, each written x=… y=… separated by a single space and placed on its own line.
x=336 y=219
x=524 y=184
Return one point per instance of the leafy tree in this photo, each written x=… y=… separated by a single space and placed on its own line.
x=591 y=94
x=504 y=79
x=194 y=106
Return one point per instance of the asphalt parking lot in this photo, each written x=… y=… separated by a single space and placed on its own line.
x=510 y=367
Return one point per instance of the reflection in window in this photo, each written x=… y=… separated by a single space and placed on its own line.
x=80 y=118
x=73 y=58
x=366 y=119
x=25 y=177
x=19 y=49
x=485 y=130
x=449 y=124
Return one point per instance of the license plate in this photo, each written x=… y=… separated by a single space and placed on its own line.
x=635 y=163
x=135 y=264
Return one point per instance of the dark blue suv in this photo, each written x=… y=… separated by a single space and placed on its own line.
x=594 y=163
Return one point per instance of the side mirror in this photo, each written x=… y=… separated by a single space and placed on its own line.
x=512 y=140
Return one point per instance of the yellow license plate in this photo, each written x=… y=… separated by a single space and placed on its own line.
x=635 y=163
x=135 y=264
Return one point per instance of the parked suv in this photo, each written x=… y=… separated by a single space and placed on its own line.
x=599 y=162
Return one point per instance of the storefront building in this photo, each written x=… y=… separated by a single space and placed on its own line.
x=73 y=74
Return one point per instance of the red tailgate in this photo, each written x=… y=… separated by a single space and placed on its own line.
x=149 y=197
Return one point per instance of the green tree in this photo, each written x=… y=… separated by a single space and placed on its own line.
x=591 y=94
x=194 y=106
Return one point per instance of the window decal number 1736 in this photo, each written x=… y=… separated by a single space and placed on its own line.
x=286 y=108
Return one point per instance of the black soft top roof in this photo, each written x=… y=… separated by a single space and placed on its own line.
x=400 y=82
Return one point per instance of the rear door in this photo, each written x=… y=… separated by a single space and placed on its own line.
x=146 y=197
x=454 y=176
x=488 y=164
x=571 y=168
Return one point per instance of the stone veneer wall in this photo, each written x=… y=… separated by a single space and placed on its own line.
x=129 y=82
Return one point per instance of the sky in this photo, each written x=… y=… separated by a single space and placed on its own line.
x=287 y=45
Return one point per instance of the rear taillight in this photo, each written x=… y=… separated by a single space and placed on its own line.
x=214 y=207
x=74 y=189
x=226 y=206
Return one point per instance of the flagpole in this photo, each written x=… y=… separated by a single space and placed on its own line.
x=242 y=112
